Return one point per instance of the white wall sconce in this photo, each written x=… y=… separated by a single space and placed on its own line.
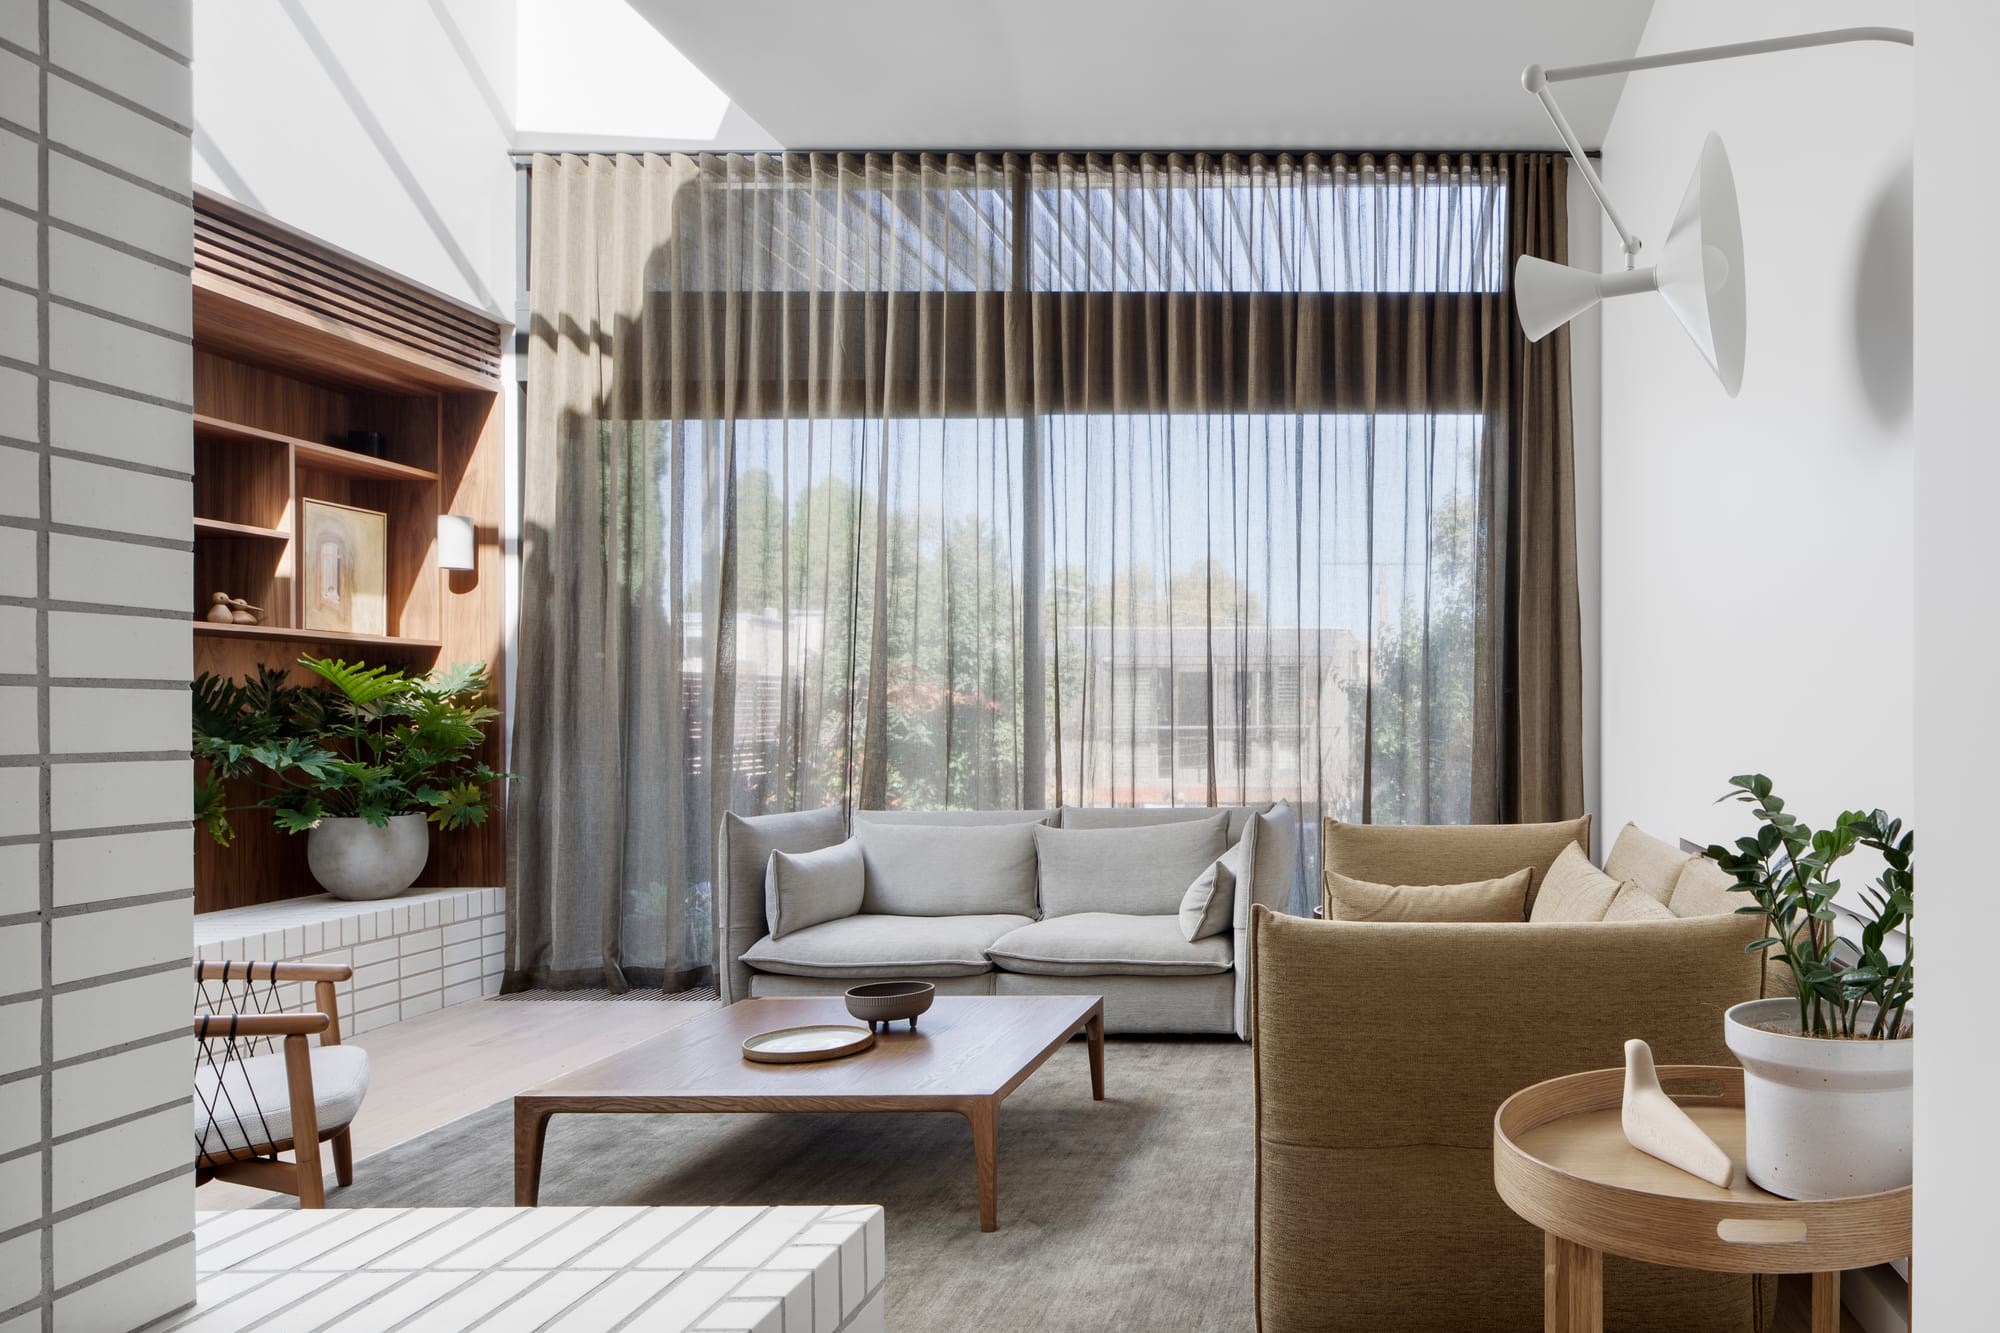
x=1700 y=272
x=456 y=542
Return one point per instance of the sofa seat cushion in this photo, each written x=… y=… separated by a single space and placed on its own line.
x=879 y=945
x=1085 y=944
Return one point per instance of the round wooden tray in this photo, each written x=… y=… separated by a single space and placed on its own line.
x=1561 y=1160
x=804 y=1045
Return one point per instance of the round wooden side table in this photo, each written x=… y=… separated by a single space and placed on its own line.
x=1561 y=1161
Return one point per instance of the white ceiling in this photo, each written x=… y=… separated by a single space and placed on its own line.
x=1152 y=73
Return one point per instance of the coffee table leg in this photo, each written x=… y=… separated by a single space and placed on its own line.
x=531 y=1129
x=1826 y=1303
x=984 y=1117
x=1572 y=1287
x=1093 y=1029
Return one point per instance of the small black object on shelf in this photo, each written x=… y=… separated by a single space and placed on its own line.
x=367 y=442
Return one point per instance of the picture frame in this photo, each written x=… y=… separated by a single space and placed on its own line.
x=343 y=568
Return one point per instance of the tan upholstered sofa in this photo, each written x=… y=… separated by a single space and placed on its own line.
x=953 y=920
x=1383 y=1050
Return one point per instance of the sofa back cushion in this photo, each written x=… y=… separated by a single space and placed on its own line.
x=1447 y=853
x=807 y=888
x=1574 y=890
x=1208 y=907
x=1639 y=856
x=1087 y=817
x=1706 y=889
x=1503 y=898
x=953 y=818
x=947 y=869
x=1145 y=871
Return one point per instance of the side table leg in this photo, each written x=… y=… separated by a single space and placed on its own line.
x=1572 y=1287
x=1093 y=1030
x=1826 y=1303
x=531 y=1130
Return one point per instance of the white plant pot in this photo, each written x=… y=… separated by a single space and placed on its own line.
x=1823 y=1118
x=352 y=858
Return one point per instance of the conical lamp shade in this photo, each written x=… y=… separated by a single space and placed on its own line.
x=1700 y=271
x=1548 y=296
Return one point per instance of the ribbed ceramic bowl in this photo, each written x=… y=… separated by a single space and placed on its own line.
x=886 y=1001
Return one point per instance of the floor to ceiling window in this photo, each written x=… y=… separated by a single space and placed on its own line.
x=997 y=480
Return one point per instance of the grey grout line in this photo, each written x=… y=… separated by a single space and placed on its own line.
x=118 y=25
x=122 y=464
x=95 y=757
x=118 y=99
x=97 y=905
x=97 y=682
x=109 y=242
x=55 y=376
x=130 y=1117
x=112 y=830
x=116 y=317
x=45 y=482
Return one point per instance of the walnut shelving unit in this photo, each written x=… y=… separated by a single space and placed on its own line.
x=295 y=344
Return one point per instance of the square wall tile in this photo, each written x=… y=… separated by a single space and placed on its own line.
x=20 y=1036
x=172 y=26
x=20 y=1115
x=111 y=1159
x=20 y=878
x=138 y=1294
x=121 y=939
x=20 y=801
x=111 y=1086
x=20 y=331
x=20 y=469
x=20 y=91
x=20 y=958
x=20 y=183
x=119 y=137
x=121 y=64
x=123 y=865
x=17 y=640
x=97 y=201
x=88 y=645
x=21 y=1271
x=20 y=1191
x=19 y=568
x=115 y=573
x=20 y=720
x=120 y=1013
x=91 y=421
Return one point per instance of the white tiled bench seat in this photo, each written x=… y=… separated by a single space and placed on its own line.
x=585 y=1270
x=410 y=955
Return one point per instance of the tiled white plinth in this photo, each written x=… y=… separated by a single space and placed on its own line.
x=582 y=1270
x=410 y=955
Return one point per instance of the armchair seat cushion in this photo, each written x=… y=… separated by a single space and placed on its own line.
x=1091 y=944
x=252 y=1098
x=877 y=944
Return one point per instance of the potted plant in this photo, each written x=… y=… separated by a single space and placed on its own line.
x=359 y=763
x=1827 y=1069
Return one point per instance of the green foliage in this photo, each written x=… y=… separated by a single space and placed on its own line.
x=1787 y=868
x=367 y=743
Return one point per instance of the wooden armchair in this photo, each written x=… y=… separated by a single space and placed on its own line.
x=262 y=1087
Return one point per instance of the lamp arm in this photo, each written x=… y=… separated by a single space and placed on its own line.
x=1537 y=80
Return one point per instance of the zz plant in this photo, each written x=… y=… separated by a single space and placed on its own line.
x=1787 y=869
x=366 y=743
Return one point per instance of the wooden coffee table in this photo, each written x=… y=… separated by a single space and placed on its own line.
x=965 y=1056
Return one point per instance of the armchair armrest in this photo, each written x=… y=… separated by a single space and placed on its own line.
x=231 y=970
x=260 y=1025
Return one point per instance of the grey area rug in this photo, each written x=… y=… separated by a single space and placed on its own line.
x=1129 y=1214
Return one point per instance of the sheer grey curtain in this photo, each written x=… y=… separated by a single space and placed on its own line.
x=989 y=480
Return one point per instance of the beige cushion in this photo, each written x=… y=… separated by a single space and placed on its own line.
x=1706 y=889
x=1574 y=890
x=1131 y=816
x=1634 y=903
x=251 y=1099
x=805 y=888
x=1209 y=905
x=1502 y=899
x=948 y=869
x=1639 y=856
x=1447 y=853
x=869 y=946
x=1084 y=944
x=1142 y=871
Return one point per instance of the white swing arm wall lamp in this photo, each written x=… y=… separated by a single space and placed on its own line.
x=1700 y=270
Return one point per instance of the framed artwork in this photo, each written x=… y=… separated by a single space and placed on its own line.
x=345 y=556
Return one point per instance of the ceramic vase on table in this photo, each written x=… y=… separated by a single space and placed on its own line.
x=1824 y=1118
x=354 y=859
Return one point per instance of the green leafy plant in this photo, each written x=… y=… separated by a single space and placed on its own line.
x=1787 y=868
x=365 y=742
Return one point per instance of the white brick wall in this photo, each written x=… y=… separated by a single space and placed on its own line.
x=96 y=856
x=410 y=955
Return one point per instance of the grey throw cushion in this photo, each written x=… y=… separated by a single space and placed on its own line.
x=871 y=946
x=1086 y=944
x=948 y=870
x=1209 y=905
x=747 y=844
x=1134 y=816
x=806 y=888
x=1143 y=871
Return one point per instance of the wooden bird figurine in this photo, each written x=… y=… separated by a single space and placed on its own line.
x=1656 y=1126
x=221 y=613
x=245 y=614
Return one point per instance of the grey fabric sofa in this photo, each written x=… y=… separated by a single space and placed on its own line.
x=1064 y=931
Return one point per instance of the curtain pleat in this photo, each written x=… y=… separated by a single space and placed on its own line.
x=988 y=480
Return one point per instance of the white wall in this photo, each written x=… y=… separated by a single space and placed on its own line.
x=1757 y=553
x=96 y=854
x=1957 y=646
x=381 y=126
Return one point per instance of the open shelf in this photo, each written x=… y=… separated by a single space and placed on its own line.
x=215 y=527
x=328 y=637
x=310 y=453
